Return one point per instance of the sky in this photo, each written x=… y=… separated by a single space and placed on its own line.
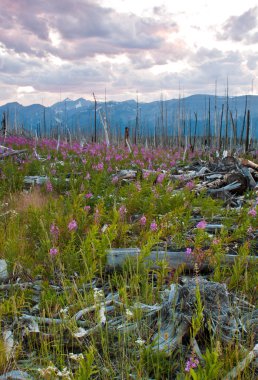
x=126 y=49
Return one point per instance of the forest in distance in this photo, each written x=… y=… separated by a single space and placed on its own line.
x=164 y=122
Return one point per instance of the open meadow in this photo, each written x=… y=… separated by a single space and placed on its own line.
x=119 y=264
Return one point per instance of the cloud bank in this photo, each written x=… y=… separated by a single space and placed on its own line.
x=77 y=47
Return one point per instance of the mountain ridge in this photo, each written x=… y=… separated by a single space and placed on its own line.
x=150 y=117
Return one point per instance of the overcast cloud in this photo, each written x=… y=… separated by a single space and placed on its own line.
x=147 y=47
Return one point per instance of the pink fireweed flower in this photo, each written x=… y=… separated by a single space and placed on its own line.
x=250 y=230
x=96 y=215
x=49 y=186
x=154 y=226
x=88 y=195
x=99 y=167
x=252 y=212
x=72 y=226
x=160 y=178
x=87 y=176
x=115 y=179
x=54 y=230
x=191 y=363
x=53 y=251
x=138 y=186
x=86 y=208
x=188 y=251
x=201 y=225
x=215 y=241
x=143 y=220
x=122 y=211
x=146 y=175
x=190 y=185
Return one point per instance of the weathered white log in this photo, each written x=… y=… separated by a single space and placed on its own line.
x=166 y=339
x=117 y=257
x=36 y=180
x=8 y=343
x=3 y=271
x=22 y=285
x=248 y=163
x=16 y=375
x=12 y=153
x=232 y=186
x=248 y=175
x=190 y=175
x=89 y=309
x=125 y=174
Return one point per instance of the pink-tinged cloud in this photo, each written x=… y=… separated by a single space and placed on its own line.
x=239 y=28
x=85 y=29
x=80 y=46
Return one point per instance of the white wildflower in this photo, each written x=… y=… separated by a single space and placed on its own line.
x=140 y=341
x=65 y=373
x=98 y=294
x=46 y=372
x=80 y=333
x=64 y=311
x=76 y=357
x=129 y=313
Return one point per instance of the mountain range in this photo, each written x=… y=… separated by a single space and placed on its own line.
x=202 y=114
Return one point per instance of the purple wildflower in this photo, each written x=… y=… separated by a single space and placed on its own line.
x=252 y=212
x=160 y=178
x=96 y=215
x=115 y=179
x=53 y=251
x=190 y=185
x=54 y=230
x=49 y=186
x=100 y=167
x=143 y=220
x=249 y=230
x=122 y=211
x=191 y=363
x=72 y=226
x=86 y=208
x=188 y=251
x=138 y=186
x=201 y=225
x=154 y=226
x=88 y=195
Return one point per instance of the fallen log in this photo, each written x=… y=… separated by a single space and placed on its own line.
x=248 y=163
x=12 y=153
x=117 y=258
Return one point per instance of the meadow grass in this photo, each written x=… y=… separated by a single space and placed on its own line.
x=56 y=237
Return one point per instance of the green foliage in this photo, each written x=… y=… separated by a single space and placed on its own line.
x=197 y=319
x=87 y=368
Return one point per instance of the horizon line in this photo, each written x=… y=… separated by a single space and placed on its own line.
x=131 y=99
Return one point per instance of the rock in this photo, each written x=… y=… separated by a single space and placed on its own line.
x=3 y=271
